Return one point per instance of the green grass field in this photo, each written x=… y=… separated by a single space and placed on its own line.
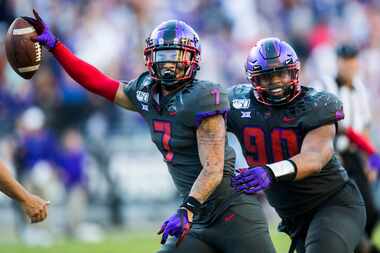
x=122 y=242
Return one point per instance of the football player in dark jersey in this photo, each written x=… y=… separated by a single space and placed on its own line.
x=33 y=206
x=186 y=120
x=287 y=131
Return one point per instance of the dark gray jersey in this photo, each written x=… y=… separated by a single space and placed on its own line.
x=269 y=134
x=173 y=121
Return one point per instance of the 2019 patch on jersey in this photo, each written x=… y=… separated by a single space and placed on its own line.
x=241 y=103
x=142 y=96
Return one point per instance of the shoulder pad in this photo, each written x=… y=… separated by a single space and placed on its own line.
x=137 y=90
x=322 y=108
x=202 y=89
x=240 y=91
x=240 y=96
x=141 y=81
x=202 y=99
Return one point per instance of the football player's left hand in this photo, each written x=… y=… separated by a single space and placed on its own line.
x=45 y=36
x=374 y=161
x=177 y=225
x=252 y=180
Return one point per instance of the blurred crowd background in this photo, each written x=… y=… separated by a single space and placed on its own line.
x=94 y=161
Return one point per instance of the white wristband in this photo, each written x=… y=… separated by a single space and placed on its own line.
x=284 y=170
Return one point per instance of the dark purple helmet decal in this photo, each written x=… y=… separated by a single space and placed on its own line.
x=173 y=41
x=272 y=57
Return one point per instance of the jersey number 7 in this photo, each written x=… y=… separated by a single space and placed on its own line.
x=164 y=127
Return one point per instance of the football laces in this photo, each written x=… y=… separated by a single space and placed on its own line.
x=38 y=51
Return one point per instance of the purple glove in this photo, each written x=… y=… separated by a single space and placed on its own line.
x=252 y=180
x=45 y=37
x=177 y=225
x=374 y=161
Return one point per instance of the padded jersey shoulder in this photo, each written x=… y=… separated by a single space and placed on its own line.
x=202 y=99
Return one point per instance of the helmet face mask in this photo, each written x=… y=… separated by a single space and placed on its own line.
x=171 y=66
x=275 y=86
x=172 y=54
x=273 y=69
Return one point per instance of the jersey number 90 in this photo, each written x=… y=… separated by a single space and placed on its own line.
x=262 y=148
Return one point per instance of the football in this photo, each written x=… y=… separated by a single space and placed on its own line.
x=23 y=54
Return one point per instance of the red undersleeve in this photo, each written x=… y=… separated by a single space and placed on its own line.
x=361 y=141
x=85 y=74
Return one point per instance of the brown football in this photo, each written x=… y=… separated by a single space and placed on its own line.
x=23 y=54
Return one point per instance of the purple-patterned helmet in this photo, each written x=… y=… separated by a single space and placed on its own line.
x=271 y=57
x=173 y=41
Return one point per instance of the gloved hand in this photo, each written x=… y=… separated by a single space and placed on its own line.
x=374 y=161
x=177 y=225
x=45 y=36
x=252 y=180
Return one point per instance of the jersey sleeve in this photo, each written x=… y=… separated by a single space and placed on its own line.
x=326 y=109
x=206 y=102
x=132 y=87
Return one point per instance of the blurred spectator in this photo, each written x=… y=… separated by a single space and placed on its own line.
x=348 y=86
x=35 y=161
x=6 y=12
x=35 y=142
x=72 y=164
x=72 y=160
